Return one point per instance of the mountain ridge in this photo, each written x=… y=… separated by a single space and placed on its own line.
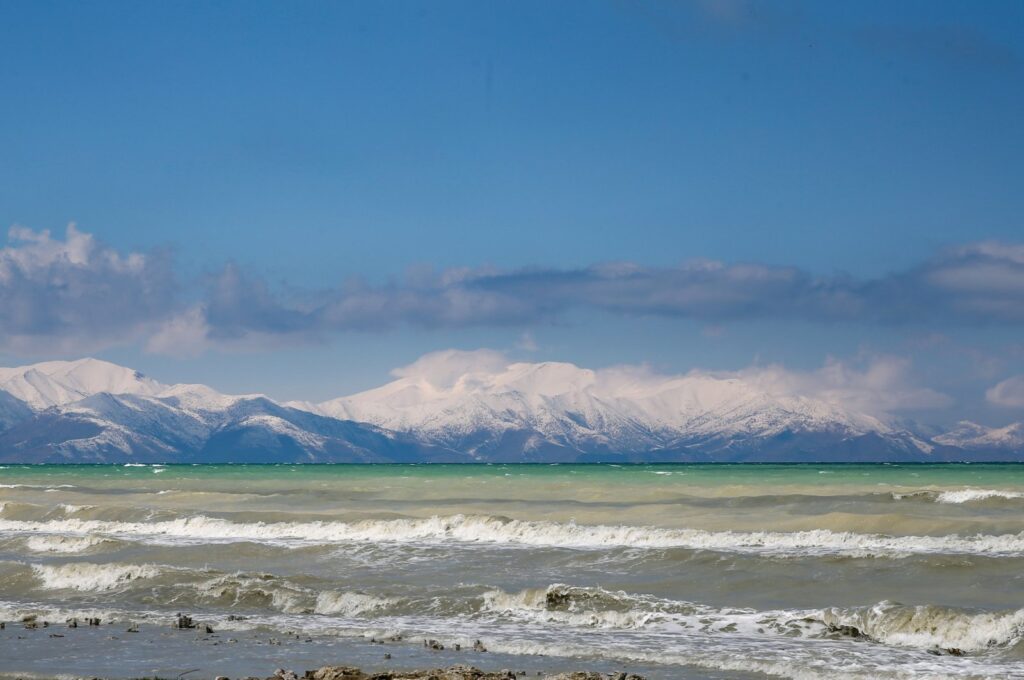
x=460 y=407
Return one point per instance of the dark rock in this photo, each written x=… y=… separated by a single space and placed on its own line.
x=183 y=621
x=848 y=631
x=556 y=598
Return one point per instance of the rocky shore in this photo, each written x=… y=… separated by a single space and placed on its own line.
x=452 y=673
x=30 y=626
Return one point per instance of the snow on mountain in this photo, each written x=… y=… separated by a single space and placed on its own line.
x=475 y=401
x=95 y=411
x=967 y=435
x=55 y=383
x=459 y=406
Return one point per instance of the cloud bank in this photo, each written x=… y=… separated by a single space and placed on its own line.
x=875 y=385
x=78 y=295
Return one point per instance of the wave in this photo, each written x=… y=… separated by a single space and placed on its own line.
x=929 y=626
x=86 y=576
x=58 y=543
x=37 y=486
x=969 y=495
x=892 y=641
x=255 y=590
x=958 y=496
x=503 y=531
x=338 y=603
x=925 y=627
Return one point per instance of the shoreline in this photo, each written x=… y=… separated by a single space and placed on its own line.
x=189 y=649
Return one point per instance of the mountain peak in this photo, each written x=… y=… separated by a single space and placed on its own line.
x=55 y=383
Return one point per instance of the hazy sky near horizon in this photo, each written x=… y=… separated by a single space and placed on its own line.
x=298 y=197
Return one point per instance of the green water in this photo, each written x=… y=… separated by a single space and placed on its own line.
x=679 y=570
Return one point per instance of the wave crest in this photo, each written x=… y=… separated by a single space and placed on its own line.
x=503 y=531
x=86 y=576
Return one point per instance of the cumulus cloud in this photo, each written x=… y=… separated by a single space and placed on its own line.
x=445 y=368
x=876 y=384
x=75 y=294
x=1008 y=393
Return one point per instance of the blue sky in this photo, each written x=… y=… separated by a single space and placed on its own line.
x=283 y=167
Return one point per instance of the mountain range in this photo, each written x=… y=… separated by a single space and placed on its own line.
x=92 y=411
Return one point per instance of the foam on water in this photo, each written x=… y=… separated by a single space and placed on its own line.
x=333 y=602
x=58 y=543
x=263 y=590
x=724 y=649
x=958 y=496
x=889 y=623
x=500 y=530
x=85 y=576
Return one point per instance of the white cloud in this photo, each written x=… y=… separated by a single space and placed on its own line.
x=74 y=295
x=444 y=368
x=876 y=385
x=1008 y=393
x=184 y=335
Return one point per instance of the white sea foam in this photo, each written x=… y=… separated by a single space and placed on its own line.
x=957 y=496
x=91 y=577
x=37 y=486
x=969 y=495
x=800 y=658
x=350 y=604
x=59 y=543
x=241 y=589
x=928 y=627
x=503 y=531
x=888 y=623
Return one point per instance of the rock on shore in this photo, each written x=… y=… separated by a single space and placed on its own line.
x=453 y=673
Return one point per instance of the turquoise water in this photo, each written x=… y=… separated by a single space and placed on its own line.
x=677 y=570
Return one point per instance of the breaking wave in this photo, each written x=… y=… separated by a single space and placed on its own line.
x=959 y=496
x=59 y=543
x=85 y=576
x=504 y=531
x=337 y=603
x=925 y=627
x=929 y=626
x=255 y=590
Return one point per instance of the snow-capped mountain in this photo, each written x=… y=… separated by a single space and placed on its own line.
x=94 y=411
x=972 y=436
x=536 y=411
x=460 y=407
x=55 y=383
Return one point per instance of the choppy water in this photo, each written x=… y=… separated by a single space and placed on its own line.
x=682 y=571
